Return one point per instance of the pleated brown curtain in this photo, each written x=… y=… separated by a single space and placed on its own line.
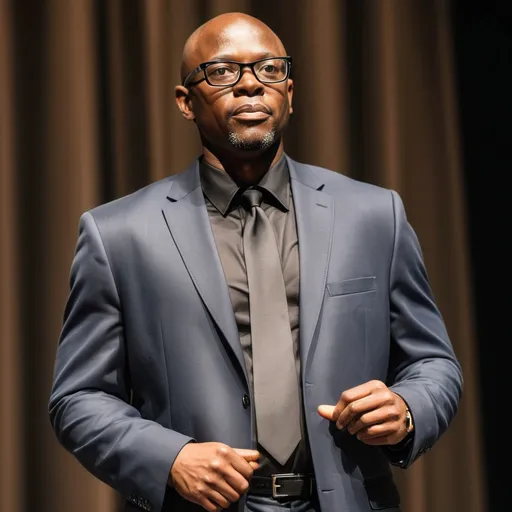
x=87 y=114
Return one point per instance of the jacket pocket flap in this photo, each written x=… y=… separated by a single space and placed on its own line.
x=358 y=285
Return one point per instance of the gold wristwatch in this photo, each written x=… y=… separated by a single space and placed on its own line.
x=409 y=426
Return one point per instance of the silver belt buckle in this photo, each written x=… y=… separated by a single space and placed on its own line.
x=284 y=476
x=275 y=486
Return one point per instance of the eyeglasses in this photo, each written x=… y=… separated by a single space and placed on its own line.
x=226 y=73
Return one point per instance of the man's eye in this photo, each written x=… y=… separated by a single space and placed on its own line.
x=222 y=71
x=269 y=68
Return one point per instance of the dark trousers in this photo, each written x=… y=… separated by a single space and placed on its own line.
x=264 y=504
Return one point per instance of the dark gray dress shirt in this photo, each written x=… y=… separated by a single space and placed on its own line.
x=227 y=218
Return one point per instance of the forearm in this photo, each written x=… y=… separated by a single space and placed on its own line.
x=423 y=367
x=108 y=436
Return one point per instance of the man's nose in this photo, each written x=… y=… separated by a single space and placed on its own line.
x=248 y=83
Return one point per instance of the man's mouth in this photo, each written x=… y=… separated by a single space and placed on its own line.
x=252 y=112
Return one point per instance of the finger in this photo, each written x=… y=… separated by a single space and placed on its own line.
x=338 y=409
x=388 y=430
x=356 y=408
x=377 y=441
x=254 y=465
x=248 y=455
x=241 y=466
x=358 y=392
x=222 y=487
x=219 y=500
x=326 y=411
x=348 y=397
x=238 y=482
x=384 y=414
x=209 y=505
x=330 y=412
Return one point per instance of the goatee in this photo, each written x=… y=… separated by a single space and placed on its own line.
x=250 y=145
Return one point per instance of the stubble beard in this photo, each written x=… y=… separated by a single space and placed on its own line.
x=264 y=142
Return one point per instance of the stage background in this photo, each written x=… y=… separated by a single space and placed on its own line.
x=408 y=94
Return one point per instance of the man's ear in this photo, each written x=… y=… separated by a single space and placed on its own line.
x=290 y=94
x=184 y=102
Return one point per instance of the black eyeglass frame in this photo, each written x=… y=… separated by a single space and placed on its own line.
x=202 y=67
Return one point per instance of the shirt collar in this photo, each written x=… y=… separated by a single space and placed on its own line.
x=223 y=192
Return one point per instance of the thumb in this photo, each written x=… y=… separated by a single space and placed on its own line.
x=326 y=411
x=248 y=455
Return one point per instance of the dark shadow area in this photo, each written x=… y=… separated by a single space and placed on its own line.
x=483 y=52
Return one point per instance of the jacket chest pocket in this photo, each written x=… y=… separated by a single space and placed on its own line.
x=366 y=285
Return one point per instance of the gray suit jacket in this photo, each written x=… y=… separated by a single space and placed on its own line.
x=150 y=359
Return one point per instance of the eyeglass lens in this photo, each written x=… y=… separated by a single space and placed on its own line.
x=267 y=71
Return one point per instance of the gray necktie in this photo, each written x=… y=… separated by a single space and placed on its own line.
x=276 y=388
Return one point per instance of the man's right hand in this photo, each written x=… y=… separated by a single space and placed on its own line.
x=213 y=475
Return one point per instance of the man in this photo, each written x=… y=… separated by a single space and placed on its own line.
x=252 y=332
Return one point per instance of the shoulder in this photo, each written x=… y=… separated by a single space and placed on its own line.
x=118 y=223
x=345 y=188
x=133 y=207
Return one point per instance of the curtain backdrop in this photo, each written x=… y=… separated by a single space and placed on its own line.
x=87 y=114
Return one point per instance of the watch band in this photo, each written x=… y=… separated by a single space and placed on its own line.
x=409 y=426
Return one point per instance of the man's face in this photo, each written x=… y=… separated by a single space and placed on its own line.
x=215 y=108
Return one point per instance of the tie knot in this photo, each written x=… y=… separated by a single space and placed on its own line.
x=252 y=197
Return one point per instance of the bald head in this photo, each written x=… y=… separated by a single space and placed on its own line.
x=229 y=32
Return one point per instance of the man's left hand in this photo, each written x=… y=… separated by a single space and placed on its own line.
x=370 y=411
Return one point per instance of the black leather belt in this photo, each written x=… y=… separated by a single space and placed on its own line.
x=284 y=485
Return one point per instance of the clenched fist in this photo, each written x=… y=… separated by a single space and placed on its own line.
x=213 y=475
x=370 y=411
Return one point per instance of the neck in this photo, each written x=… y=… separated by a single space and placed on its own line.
x=244 y=168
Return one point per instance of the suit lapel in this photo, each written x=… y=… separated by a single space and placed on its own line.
x=188 y=222
x=314 y=212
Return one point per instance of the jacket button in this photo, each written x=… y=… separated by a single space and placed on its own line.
x=246 y=401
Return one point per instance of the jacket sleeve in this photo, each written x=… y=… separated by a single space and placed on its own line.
x=423 y=367
x=89 y=405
